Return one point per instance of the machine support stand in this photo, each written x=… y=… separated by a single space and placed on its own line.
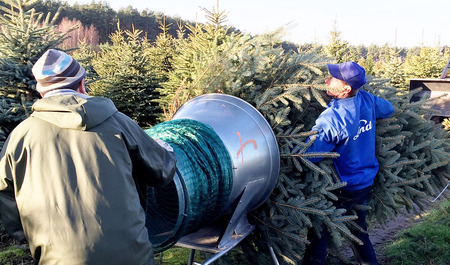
x=216 y=239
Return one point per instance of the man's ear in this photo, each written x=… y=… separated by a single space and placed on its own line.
x=81 y=89
x=347 y=89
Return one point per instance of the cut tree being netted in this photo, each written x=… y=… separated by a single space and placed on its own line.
x=414 y=163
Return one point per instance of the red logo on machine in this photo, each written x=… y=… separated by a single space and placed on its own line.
x=241 y=150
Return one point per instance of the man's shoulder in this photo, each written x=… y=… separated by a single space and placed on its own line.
x=334 y=110
x=367 y=95
x=329 y=118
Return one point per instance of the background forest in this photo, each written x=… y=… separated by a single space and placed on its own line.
x=149 y=65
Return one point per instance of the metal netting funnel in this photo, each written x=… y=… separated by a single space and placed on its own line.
x=248 y=138
x=227 y=162
x=165 y=211
x=201 y=186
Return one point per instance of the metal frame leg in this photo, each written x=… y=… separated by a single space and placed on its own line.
x=191 y=257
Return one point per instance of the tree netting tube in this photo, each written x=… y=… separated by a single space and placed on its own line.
x=201 y=187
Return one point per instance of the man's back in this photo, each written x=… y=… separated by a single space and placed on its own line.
x=74 y=184
x=347 y=127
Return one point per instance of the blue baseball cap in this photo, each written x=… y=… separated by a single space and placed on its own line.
x=349 y=72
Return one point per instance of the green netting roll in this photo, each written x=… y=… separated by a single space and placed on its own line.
x=206 y=176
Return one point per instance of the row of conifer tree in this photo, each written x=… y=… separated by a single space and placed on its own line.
x=150 y=79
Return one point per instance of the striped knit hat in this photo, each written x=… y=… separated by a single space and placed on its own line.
x=56 y=70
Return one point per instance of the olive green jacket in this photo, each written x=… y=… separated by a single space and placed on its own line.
x=72 y=172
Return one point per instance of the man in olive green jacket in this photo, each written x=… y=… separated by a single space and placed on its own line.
x=71 y=174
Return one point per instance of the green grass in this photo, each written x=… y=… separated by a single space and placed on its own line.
x=7 y=256
x=177 y=256
x=180 y=256
x=427 y=242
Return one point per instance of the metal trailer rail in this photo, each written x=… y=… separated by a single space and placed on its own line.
x=434 y=88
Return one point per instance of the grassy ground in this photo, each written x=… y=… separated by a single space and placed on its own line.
x=427 y=242
x=12 y=252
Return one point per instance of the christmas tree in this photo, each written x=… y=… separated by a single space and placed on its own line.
x=132 y=86
x=24 y=36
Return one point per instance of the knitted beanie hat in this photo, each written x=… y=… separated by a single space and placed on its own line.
x=56 y=70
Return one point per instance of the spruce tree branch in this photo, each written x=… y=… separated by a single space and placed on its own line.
x=343 y=229
x=403 y=163
x=277 y=98
x=335 y=186
x=312 y=155
x=303 y=209
x=345 y=218
x=406 y=200
x=300 y=135
x=289 y=235
x=436 y=165
x=382 y=203
x=356 y=226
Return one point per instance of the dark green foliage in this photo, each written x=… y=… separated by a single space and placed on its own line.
x=287 y=88
x=12 y=112
x=12 y=253
x=24 y=36
x=126 y=77
x=104 y=18
x=413 y=152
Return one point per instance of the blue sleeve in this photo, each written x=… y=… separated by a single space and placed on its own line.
x=383 y=108
x=323 y=143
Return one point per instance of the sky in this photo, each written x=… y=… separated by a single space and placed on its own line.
x=398 y=23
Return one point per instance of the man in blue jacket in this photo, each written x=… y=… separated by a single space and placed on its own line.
x=347 y=126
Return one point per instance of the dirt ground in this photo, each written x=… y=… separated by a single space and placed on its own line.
x=382 y=235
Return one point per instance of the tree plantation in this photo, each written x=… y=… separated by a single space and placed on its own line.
x=149 y=69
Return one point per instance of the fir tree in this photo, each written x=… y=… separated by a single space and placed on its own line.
x=428 y=64
x=24 y=36
x=126 y=77
x=162 y=52
x=393 y=70
x=196 y=58
x=337 y=48
x=367 y=63
x=85 y=54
